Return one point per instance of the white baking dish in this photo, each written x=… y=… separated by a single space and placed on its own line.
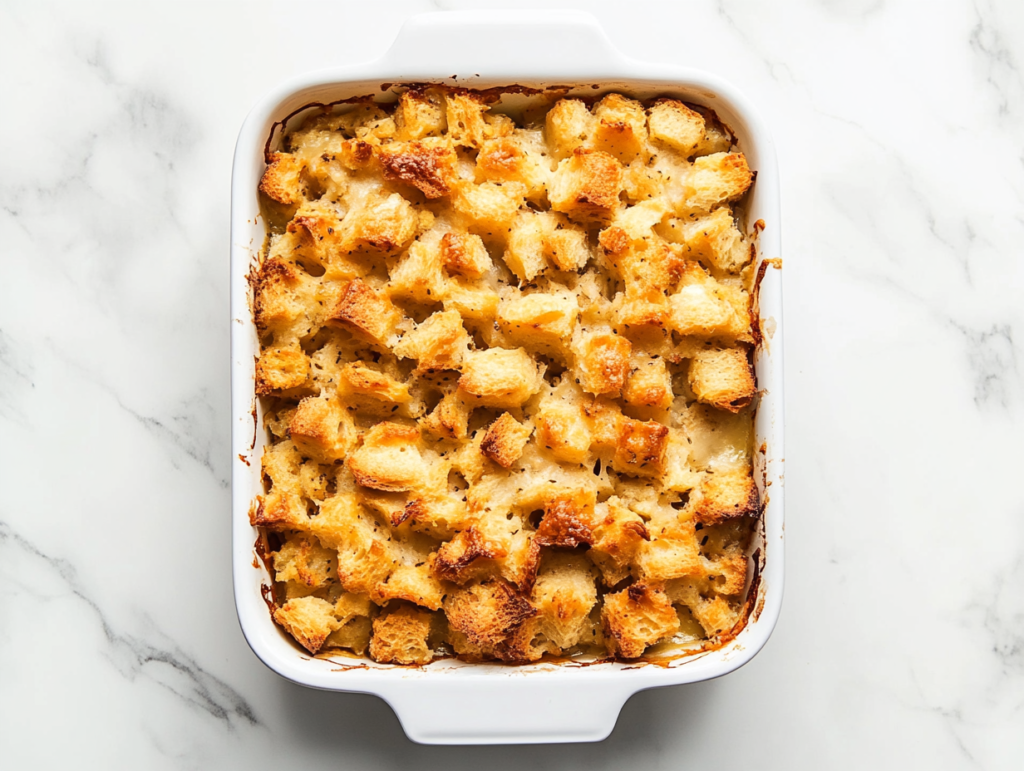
x=449 y=702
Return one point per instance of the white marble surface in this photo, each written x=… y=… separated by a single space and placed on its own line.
x=901 y=643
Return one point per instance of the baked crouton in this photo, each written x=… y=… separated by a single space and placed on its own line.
x=281 y=180
x=365 y=312
x=490 y=207
x=359 y=380
x=439 y=343
x=389 y=459
x=716 y=240
x=301 y=558
x=727 y=493
x=364 y=554
x=400 y=636
x=640 y=450
x=564 y=595
x=464 y=254
x=449 y=419
x=602 y=363
x=417 y=115
x=723 y=378
x=309 y=620
x=717 y=178
x=621 y=127
x=322 y=429
x=567 y=520
x=561 y=427
x=637 y=617
x=704 y=307
x=412 y=583
x=487 y=613
x=567 y=126
x=618 y=535
x=649 y=384
x=428 y=165
x=676 y=125
x=673 y=554
x=504 y=441
x=281 y=370
x=499 y=377
x=542 y=322
x=586 y=186
x=419 y=276
x=384 y=223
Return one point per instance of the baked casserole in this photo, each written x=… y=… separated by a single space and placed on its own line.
x=505 y=366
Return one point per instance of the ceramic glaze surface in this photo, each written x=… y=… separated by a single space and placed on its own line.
x=900 y=640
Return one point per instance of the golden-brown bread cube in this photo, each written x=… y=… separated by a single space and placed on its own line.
x=728 y=574
x=469 y=125
x=280 y=370
x=539 y=239
x=389 y=459
x=464 y=254
x=621 y=127
x=365 y=312
x=322 y=429
x=428 y=165
x=514 y=159
x=704 y=307
x=283 y=507
x=567 y=520
x=586 y=186
x=567 y=126
x=676 y=125
x=400 y=636
x=618 y=535
x=487 y=613
x=602 y=363
x=564 y=594
x=364 y=554
x=562 y=429
x=419 y=276
x=386 y=223
x=723 y=378
x=525 y=253
x=418 y=114
x=282 y=297
x=301 y=558
x=439 y=343
x=354 y=613
x=649 y=384
x=727 y=493
x=542 y=322
x=467 y=555
x=636 y=617
x=566 y=246
x=715 y=615
x=671 y=554
x=360 y=380
x=281 y=180
x=604 y=417
x=717 y=178
x=640 y=450
x=353 y=635
x=504 y=441
x=412 y=583
x=490 y=207
x=309 y=620
x=449 y=419
x=474 y=300
x=716 y=240
x=499 y=377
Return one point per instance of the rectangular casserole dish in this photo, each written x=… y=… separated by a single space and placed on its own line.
x=451 y=702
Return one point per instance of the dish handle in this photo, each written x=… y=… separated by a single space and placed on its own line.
x=517 y=710
x=514 y=44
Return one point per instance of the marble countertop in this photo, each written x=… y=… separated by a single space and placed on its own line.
x=901 y=642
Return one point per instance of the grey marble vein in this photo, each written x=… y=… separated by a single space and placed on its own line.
x=160 y=660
